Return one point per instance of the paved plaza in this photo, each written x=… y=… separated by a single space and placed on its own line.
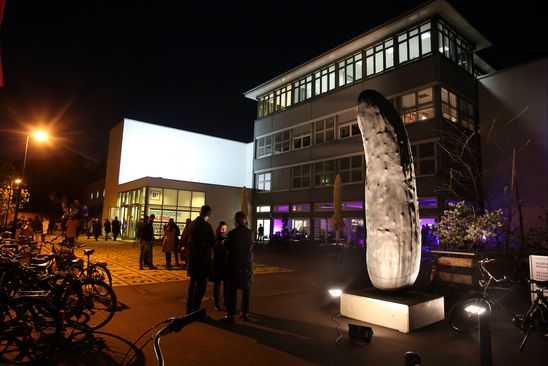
x=293 y=321
x=122 y=257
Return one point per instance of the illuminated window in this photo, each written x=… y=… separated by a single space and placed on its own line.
x=281 y=208
x=349 y=130
x=324 y=173
x=104 y=193
x=198 y=199
x=416 y=106
x=454 y=47
x=300 y=207
x=324 y=80
x=352 y=205
x=283 y=97
x=350 y=69
x=428 y=202
x=92 y=196
x=301 y=176
x=323 y=206
x=324 y=130
x=263 y=182
x=263 y=208
x=302 y=89
x=379 y=57
x=414 y=43
x=449 y=105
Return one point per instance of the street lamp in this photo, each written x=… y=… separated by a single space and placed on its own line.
x=39 y=136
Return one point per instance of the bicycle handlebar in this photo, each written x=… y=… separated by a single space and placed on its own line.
x=175 y=324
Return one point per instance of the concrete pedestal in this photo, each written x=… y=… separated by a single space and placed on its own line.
x=404 y=311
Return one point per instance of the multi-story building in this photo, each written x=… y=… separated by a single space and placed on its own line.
x=306 y=130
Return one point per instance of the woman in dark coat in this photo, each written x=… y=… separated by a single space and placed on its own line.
x=219 y=265
x=239 y=275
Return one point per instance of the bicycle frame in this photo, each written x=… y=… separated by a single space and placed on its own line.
x=174 y=325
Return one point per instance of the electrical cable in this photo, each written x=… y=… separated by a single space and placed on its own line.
x=337 y=341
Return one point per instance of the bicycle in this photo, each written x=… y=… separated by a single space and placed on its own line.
x=174 y=324
x=30 y=326
x=96 y=270
x=464 y=315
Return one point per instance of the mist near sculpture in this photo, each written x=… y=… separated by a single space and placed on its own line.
x=391 y=207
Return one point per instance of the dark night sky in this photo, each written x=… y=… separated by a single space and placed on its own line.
x=81 y=66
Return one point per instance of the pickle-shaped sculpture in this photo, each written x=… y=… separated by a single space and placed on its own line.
x=391 y=208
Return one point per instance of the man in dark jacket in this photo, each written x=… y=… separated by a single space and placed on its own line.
x=201 y=240
x=115 y=228
x=239 y=275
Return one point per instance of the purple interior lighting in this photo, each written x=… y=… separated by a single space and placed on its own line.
x=354 y=204
x=427 y=221
x=428 y=202
x=282 y=208
x=277 y=225
x=326 y=206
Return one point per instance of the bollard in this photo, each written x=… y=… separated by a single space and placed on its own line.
x=412 y=359
x=485 y=338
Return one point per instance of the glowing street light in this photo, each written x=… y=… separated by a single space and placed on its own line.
x=39 y=136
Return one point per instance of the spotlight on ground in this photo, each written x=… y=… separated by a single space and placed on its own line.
x=335 y=292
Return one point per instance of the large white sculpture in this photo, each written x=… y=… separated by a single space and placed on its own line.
x=391 y=209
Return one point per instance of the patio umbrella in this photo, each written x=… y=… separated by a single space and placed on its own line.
x=337 y=221
x=244 y=199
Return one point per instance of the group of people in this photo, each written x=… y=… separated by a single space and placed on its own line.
x=95 y=228
x=223 y=257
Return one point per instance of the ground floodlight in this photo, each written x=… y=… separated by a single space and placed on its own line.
x=359 y=335
x=474 y=309
x=335 y=292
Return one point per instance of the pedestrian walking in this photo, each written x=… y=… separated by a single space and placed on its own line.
x=183 y=243
x=106 y=226
x=239 y=275
x=71 y=229
x=96 y=228
x=115 y=228
x=201 y=242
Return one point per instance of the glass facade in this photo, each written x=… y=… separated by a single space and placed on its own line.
x=164 y=203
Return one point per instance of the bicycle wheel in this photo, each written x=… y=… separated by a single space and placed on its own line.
x=100 y=272
x=30 y=328
x=463 y=316
x=92 y=306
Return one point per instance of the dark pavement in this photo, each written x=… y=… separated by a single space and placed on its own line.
x=291 y=323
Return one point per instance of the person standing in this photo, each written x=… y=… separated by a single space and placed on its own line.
x=45 y=227
x=115 y=228
x=170 y=238
x=106 y=226
x=260 y=232
x=201 y=241
x=183 y=243
x=239 y=275
x=147 y=237
x=71 y=229
x=96 y=228
x=219 y=265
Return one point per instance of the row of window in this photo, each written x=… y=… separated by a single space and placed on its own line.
x=163 y=197
x=96 y=195
x=424 y=202
x=399 y=49
x=413 y=107
x=350 y=169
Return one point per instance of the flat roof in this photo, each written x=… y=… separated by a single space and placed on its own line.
x=437 y=7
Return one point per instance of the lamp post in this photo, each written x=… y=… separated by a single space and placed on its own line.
x=40 y=136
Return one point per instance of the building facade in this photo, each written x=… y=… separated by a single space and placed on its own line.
x=306 y=130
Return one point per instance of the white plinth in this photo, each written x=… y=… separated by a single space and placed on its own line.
x=404 y=312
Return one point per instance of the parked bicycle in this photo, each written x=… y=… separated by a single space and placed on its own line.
x=464 y=315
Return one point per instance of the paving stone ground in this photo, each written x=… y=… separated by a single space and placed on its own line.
x=122 y=257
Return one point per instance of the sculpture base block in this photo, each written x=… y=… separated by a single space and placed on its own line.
x=404 y=311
